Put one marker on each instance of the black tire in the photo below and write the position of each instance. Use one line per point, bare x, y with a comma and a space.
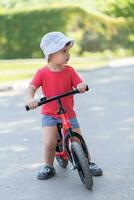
62, 162
82, 165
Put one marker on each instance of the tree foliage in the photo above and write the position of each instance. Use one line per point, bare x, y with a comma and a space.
96, 25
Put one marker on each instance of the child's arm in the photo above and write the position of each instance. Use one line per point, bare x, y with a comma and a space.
77, 82
32, 103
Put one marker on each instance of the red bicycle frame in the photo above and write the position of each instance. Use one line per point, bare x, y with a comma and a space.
66, 126
65, 122
67, 135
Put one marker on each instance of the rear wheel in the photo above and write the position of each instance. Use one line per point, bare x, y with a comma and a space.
62, 161
82, 165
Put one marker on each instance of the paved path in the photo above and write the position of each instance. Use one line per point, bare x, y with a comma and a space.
106, 115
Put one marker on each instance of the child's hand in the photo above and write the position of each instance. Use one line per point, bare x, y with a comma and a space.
81, 87
32, 103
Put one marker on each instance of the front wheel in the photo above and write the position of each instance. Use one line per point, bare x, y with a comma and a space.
82, 165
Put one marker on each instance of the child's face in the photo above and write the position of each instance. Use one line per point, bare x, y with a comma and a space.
61, 57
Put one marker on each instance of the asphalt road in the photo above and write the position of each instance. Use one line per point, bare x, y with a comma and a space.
106, 116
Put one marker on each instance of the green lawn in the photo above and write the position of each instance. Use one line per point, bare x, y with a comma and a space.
20, 69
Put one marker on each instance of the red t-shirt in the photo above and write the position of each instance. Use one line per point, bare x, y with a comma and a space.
56, 83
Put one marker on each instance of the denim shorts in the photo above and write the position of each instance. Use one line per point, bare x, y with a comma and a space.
48, 120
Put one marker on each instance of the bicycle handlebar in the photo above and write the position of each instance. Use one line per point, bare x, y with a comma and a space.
43, 100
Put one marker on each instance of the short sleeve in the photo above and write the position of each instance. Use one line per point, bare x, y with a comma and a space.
75, 78
37, 79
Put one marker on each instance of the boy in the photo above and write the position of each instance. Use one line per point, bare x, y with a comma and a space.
54, 79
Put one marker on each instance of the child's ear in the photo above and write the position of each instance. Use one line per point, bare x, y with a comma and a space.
50, 57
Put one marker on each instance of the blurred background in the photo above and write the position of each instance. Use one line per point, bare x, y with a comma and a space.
102, 30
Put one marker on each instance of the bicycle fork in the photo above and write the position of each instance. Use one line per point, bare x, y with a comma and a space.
68, 136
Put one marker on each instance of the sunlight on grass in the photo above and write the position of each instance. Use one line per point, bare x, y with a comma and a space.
21, 69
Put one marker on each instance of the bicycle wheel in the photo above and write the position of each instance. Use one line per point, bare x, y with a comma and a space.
82, 165
62, 162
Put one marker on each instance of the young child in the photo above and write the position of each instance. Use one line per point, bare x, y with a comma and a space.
56, 78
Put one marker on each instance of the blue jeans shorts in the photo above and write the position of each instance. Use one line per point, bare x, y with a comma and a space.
48, 120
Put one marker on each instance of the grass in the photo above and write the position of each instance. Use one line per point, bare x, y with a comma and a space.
21, 69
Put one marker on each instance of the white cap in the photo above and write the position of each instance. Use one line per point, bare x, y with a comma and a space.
53, 42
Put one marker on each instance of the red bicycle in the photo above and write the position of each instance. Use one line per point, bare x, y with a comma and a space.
70, 145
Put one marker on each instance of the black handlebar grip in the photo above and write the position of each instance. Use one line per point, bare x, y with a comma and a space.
27, 107
87, 88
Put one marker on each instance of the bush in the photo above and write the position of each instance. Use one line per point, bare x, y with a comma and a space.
21, 32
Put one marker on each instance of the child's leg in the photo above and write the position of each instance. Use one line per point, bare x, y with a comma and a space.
50, 142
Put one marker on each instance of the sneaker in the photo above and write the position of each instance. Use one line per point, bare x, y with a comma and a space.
46, 173
95, 170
